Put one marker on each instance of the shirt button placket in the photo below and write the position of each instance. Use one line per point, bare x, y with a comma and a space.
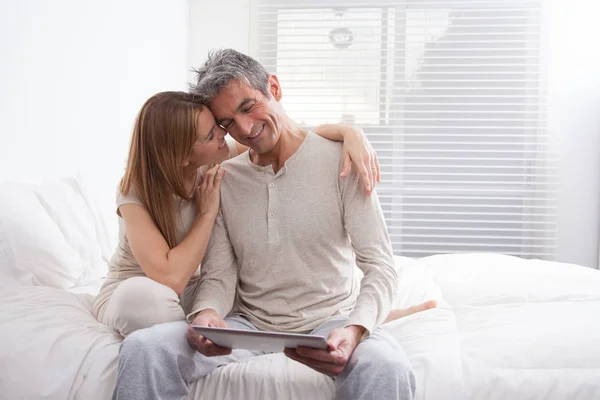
272, 222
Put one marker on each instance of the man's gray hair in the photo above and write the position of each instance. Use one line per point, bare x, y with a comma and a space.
224, 66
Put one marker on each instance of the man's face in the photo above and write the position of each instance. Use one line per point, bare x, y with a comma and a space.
250, 117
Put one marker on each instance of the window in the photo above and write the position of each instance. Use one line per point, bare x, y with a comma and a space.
451, 94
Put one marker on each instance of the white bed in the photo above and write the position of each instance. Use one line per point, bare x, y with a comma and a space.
506, 328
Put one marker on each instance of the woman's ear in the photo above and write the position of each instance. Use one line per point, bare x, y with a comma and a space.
275, 87
186, 162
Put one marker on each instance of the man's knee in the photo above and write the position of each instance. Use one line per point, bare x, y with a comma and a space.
388, 362
382, 359
401, 372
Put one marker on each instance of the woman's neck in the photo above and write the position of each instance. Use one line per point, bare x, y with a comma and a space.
190, 175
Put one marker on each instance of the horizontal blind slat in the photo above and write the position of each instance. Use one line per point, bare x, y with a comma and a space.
470, 244
430, 251
429, 228
488, 222
498, 6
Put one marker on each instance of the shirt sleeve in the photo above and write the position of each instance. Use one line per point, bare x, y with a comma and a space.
131, 197
218, 277
366, 227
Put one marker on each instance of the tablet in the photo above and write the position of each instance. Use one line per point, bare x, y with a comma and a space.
259, 340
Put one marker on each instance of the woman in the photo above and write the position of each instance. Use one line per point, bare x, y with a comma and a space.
167, 202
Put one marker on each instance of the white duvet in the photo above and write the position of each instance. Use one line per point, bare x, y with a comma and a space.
506, 329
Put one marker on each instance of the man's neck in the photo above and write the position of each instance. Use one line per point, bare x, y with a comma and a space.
289, 141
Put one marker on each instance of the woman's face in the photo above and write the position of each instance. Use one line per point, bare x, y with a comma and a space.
210, 145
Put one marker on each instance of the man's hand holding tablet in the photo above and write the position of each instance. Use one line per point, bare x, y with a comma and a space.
208, 318
209, 334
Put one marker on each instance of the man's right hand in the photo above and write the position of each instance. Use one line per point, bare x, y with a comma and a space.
207, 317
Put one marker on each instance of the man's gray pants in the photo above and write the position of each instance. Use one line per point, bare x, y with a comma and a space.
157, 363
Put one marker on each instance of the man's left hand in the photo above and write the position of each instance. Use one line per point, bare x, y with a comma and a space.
341, 341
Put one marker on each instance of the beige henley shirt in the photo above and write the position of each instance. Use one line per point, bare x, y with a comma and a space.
294, 240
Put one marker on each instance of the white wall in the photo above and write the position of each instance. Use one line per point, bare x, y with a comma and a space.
217, 24
574, 119
72, 78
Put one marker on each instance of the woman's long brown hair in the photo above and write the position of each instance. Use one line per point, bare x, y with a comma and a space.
163, 135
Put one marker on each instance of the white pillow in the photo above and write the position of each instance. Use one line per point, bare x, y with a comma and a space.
50, 235
8, 272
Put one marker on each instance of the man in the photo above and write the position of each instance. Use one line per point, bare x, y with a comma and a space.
283, 254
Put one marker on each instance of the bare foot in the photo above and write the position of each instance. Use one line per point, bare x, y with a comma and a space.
403, 312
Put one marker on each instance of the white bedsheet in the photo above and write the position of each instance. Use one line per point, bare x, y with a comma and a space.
528, 329
506, 329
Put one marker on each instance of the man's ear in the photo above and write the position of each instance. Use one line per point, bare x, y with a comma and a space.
274, 87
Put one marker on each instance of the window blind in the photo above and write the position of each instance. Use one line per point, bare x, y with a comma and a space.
452, 96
